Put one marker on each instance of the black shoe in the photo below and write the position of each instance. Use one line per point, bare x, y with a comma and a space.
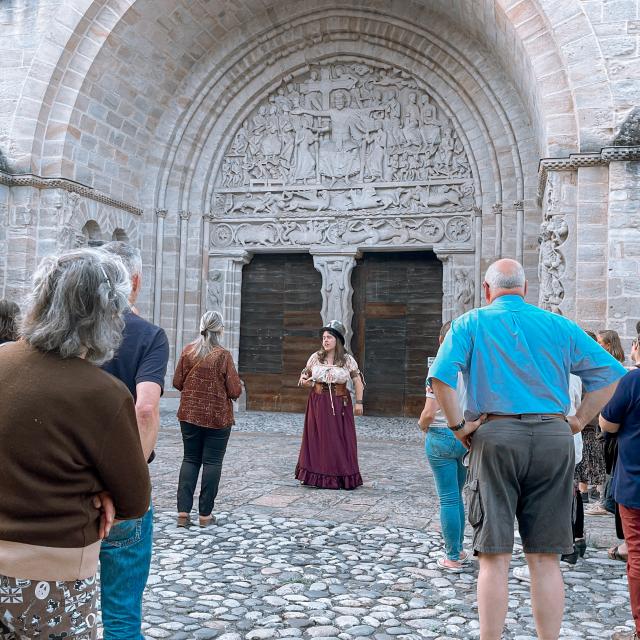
585, 497
580, 546
570, 558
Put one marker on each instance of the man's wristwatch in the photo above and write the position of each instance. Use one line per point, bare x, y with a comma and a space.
458, 426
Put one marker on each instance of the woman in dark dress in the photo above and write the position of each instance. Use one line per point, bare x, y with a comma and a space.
329, 452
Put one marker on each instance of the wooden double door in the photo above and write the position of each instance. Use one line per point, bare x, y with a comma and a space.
397, 305
279, 329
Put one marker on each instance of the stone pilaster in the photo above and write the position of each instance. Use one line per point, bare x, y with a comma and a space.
161, 214
518, 205
337, 293
224, 291
497, 212
182, 278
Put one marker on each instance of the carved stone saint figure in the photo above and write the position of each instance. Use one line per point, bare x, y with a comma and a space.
462, 293
305, 160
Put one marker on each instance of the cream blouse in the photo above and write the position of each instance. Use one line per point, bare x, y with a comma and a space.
330, 373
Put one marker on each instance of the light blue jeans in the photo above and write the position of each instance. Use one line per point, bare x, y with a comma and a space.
444, 452
125, 559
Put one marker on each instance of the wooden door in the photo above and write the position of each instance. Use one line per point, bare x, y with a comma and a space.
279, 329
397, 304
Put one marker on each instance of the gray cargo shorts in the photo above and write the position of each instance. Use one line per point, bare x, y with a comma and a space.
521, 469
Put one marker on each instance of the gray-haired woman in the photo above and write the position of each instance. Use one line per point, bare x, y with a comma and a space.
9, 316
208, 380
68, 436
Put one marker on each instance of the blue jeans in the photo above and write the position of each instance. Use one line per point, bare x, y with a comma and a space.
125, 559
444, 452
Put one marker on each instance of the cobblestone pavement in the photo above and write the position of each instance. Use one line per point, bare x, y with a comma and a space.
288, 561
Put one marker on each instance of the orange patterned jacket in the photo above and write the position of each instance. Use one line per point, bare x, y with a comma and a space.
207, 388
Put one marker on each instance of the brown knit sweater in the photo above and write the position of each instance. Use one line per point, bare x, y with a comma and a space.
207, 388
67, 431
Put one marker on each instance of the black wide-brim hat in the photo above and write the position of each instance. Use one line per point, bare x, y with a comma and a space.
336, 329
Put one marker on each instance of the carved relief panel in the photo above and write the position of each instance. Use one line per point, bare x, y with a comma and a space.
344, 153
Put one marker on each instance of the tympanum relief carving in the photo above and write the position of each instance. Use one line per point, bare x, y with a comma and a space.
344, 150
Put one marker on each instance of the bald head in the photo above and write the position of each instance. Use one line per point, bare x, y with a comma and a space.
504, 277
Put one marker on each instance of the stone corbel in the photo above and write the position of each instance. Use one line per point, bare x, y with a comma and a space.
336, 268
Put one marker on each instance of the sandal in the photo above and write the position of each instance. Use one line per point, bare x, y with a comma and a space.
441, 563
183, 521
614, 554
206, 521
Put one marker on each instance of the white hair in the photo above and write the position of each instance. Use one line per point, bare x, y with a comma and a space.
76, 304
129, 255
211, 327
510, 278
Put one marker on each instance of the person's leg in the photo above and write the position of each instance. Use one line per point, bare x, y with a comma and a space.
125, 559
631, 525
192, 441
493, 594
439, 450
547, 594
462, 478
215, 446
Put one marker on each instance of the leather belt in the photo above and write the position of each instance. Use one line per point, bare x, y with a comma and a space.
336, 389
525, 416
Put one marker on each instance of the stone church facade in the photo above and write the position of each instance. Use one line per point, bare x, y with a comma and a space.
211, 132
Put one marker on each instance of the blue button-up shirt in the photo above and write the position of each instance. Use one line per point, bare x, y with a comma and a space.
516, 358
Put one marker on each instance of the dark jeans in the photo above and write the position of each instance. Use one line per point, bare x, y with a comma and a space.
203, 447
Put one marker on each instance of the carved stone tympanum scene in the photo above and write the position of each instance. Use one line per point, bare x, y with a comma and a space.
291, 163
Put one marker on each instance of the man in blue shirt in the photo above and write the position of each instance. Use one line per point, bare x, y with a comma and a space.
125, 554
622, 416
516, 360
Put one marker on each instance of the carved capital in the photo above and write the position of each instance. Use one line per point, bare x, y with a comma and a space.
161, 213
184, 215
497, 208
518, 205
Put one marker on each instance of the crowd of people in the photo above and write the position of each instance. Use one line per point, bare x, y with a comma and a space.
525, 411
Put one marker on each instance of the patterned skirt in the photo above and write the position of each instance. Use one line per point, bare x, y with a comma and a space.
47, 610
591, 469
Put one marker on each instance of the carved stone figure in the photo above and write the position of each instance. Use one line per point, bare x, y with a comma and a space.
551, 265
215, 291
462, 292
337, 127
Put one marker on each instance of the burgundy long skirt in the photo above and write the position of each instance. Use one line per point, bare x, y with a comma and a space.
329, 452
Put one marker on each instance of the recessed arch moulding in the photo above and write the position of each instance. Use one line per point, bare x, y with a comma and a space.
313, 137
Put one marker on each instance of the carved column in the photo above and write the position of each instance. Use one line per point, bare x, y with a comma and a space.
497, 212
182, 278
557, 259
224, 292
477, 266
337, 292
518, 205
161, 214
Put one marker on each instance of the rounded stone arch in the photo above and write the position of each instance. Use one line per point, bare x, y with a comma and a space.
105, 222
190, 150
81, 34
93, 233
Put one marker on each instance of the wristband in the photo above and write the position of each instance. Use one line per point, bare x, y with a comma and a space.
458, 426
359, 402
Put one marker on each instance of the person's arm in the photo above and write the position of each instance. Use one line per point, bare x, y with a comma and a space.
148, 415
428, 413
359, 387
232, 379
178, 374
609, 427
591, 405
122, 467
447, 398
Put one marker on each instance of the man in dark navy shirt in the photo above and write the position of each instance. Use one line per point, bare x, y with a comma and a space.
622, 416
125, 555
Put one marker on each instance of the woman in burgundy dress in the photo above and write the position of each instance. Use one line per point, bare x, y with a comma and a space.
329, 452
